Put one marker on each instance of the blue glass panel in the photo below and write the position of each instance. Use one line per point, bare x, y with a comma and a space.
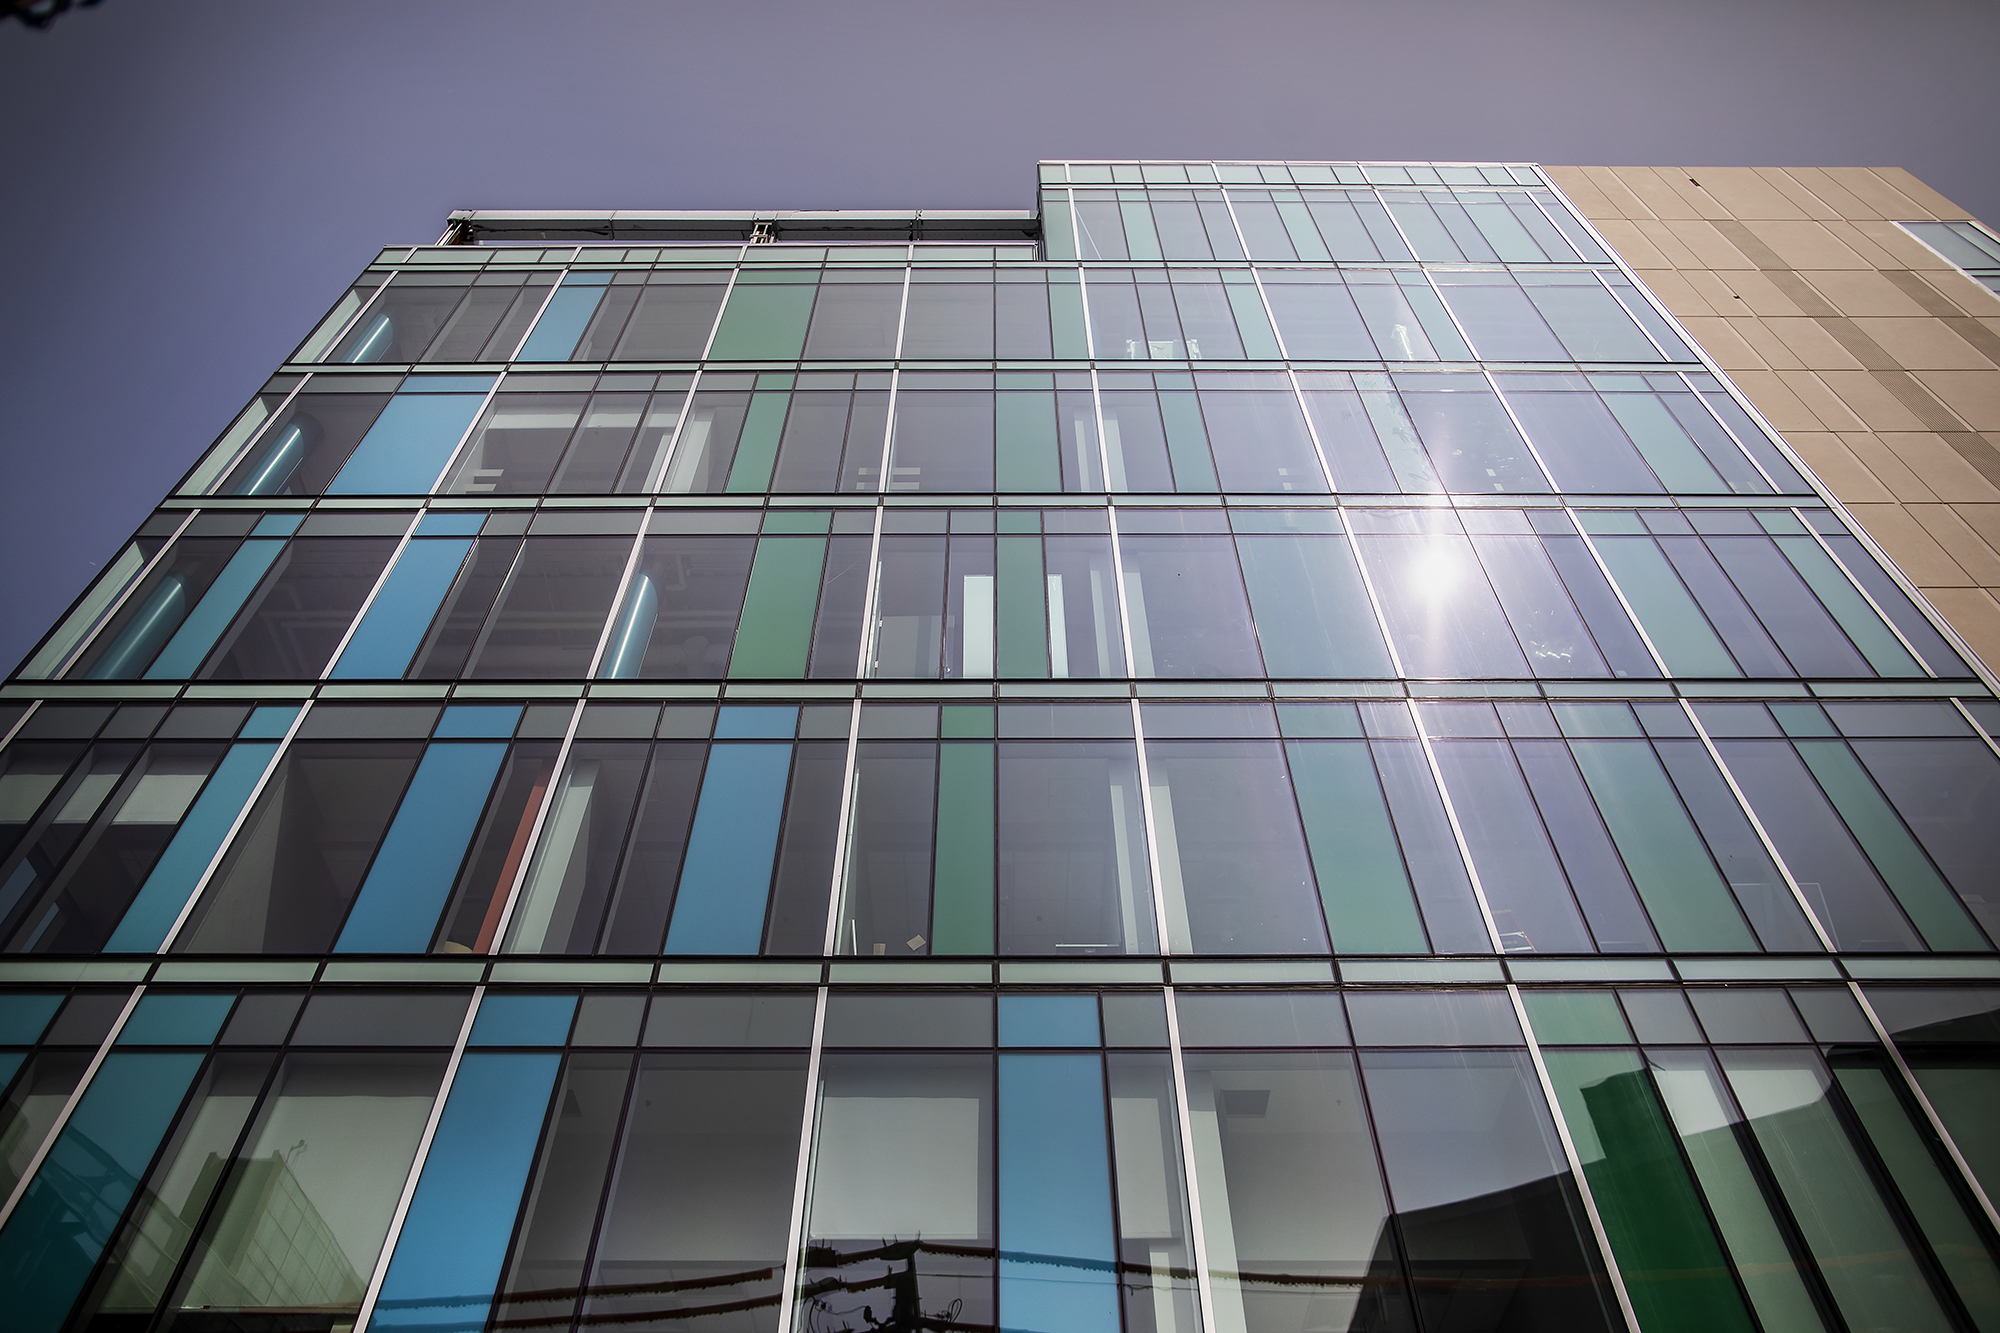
270, 722
450, 525
447, 1262
22, 1017
66, 1218
413, 873
277, 525
1048, 1020
394, 626
477, 721
1057, 1259
523, 1020
726, 878
755, 722
408, 445
211, 615
556, 332
176, 1020
167, 889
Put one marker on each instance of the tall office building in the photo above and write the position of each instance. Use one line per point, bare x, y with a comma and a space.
1259, 748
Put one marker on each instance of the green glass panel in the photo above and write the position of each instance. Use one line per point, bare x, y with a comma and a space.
1058, 236
1673, 1263
1671, 619
1963, 1091
1932, 905
1026, 455
962, 897
1187, 442
1953, 1234
1866, 1261
757, 450
1363, 885
1711, 1137
1140, 239
763, 323
1576, 1018
1023, 609
1259, 342
1884, 651
1673, 457
1066, 327
775, 634
1690, 905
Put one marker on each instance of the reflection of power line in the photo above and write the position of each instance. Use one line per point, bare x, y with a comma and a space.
41, 13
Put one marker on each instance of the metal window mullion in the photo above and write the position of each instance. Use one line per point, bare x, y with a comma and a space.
1736, 439
1312, 431
1089, 325
84, 641
263, 427
841, 837
464, 439
1575, 1161
618, 597
69, 1106
1452, 315
1866, 596
870, 597
1402, 235
1151, 829
7, 737
658, 476
808, 1125
1374, 600
348, 326
235, 826
1618, 592
1763, 836
1493, 387
1457, 831
1103, 446
1197, 1232
381, 581
1992, 742
1075, 224
540, 310
529, 850
1665, 356
888, 436
1923, 1100
396, 1220
902, 310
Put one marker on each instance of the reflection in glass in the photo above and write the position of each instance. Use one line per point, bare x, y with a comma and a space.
1484, 1200
696, 1217
1073, 876
1293, 1213
303, 1212
901, 1214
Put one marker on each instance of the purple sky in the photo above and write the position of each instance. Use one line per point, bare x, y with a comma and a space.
188, 186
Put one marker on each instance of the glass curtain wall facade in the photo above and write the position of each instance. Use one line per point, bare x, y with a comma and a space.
1289, 757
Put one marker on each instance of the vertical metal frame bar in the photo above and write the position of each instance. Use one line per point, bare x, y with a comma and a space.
110, 612
396, 1220
533, 844
69, 1106
236, 826
381, 581
801, 1172
1197, 1233
1575, 1161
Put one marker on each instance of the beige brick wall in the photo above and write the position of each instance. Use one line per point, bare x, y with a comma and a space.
1878, 360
